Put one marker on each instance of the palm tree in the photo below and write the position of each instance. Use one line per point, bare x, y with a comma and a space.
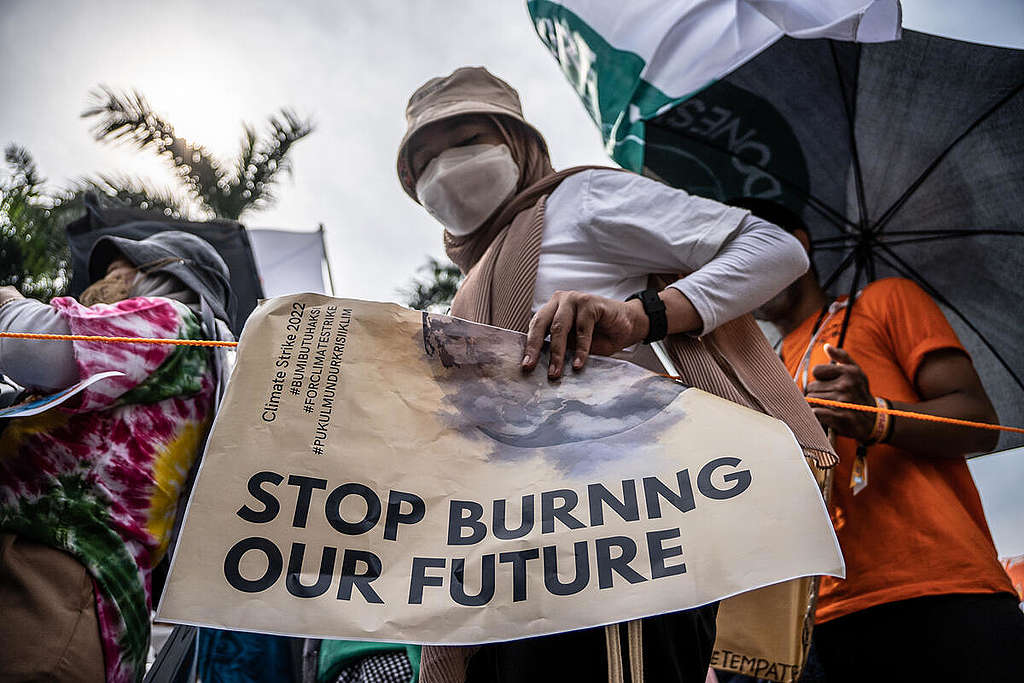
34, 253
435, 292
219, 189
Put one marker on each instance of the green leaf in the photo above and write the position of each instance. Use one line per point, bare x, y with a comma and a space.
436, 291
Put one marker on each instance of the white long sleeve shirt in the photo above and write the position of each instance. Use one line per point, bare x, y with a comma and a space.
605, 231
43, 366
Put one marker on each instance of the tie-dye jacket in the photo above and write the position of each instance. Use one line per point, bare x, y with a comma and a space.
101, 480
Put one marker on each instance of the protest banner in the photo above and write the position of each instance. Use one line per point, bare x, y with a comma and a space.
378, 473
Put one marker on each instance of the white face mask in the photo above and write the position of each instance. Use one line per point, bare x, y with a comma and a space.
462, 186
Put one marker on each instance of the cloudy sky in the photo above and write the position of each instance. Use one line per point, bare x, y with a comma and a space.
351, 66
207, 66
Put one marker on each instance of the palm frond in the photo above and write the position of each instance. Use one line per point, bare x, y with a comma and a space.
24, 172
36, 256
128, 117
285, 132
136, 193
260, 160
233, 199
435, 292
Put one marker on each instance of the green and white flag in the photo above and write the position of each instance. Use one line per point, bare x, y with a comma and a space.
630, 61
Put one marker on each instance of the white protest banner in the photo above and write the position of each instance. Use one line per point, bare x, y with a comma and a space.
289, 261
383, 474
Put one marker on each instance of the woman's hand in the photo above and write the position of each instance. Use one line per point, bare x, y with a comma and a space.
587, 323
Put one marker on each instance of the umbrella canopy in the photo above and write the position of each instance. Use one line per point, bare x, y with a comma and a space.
905, 159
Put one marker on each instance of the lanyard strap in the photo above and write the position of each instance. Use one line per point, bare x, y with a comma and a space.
826, 314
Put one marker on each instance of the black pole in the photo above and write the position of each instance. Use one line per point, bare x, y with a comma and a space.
174, 661
858, 269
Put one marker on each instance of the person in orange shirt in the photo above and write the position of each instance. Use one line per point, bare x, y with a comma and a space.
925, 597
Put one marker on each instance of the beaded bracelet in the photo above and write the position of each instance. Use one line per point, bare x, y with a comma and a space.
882, 428
890, 422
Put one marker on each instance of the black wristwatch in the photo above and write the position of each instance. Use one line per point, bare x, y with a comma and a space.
654, 307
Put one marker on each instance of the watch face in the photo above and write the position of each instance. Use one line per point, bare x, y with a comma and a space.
652, 299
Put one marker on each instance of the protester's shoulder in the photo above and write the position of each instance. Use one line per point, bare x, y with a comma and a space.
907, 311
615, 181
142, 315
588, 193
573, 185
614, 193
894, 290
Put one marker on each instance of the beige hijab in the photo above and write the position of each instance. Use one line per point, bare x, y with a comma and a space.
534, 166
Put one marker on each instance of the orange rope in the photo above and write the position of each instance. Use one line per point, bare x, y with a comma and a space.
913, 416
119, 340
896, 413
817, 401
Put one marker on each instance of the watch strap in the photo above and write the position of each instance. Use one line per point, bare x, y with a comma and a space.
654, 307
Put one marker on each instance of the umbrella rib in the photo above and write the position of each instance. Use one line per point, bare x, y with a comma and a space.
851, 113
888, 214
839, 221
930, 238
841, 247
844, 241
830, 247
851, 300
907, 271
958, 232
840, 269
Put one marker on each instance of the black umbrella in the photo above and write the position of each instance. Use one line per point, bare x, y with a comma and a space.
905, 159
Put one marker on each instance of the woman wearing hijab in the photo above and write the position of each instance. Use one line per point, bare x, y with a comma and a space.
593, 257
89, 490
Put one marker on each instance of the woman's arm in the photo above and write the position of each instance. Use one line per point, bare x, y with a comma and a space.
35, 364
948, 386
755, 263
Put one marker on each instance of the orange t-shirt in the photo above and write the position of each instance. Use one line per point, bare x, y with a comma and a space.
1014, 567
918, 528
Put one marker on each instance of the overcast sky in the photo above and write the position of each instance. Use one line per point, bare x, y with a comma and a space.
351, 66
207, 66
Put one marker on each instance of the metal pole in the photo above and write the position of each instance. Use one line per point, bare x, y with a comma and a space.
175, 661
327, 260
851, 299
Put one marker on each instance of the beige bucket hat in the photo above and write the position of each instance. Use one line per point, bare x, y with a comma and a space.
467, 90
